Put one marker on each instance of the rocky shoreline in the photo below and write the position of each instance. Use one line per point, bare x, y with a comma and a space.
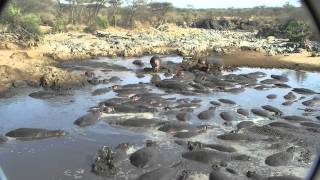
39, 66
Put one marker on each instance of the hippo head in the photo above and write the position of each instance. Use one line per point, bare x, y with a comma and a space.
155, 62
115, 87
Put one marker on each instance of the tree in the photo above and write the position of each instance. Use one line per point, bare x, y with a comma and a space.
115, 10
160, 9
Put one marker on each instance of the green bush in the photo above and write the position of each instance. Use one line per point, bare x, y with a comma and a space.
59, 25
102, 22
297, 30
27, 26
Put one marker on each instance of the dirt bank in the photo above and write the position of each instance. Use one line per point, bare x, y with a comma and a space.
19, 67
299, 61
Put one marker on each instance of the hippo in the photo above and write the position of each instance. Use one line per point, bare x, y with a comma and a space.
312, 102
295, 118
155, 62
281, 158
184, 116
145, 156
100, 91
34, 133
260, 112
255, 75
283, 125
155, 78
244, 124
275, 110
304, 91
49, 94
187, 134
173, 85
140, 122
227, 116
217, 174
271, 96
215, 103
235, 90
290, 96
227, 101
280, 78
207, 156
220, 147
162, 173
114, 79
310, 124
270, 81
282, 85
207, 114
3, 139
262, 87
176, 126
287, 103
285, 177
236, 137
243, 112
138, 63
88, 119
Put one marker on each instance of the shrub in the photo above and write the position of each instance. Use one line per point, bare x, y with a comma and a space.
102, 22
59, 25
26, 26
297, 30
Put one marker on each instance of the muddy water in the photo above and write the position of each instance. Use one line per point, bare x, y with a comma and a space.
70, 157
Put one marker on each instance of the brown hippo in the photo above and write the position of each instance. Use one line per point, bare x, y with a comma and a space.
155, 62
34, 133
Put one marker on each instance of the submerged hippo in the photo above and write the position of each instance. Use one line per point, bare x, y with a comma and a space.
207, 114
161, 173
88, 119
280, 78
155, 62
145, 156
34, 133
243, 112
304, 91
3, 139
227, 101
290, 96
281, 158
275, 110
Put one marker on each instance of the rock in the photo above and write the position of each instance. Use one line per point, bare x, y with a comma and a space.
88, 119
34, 133
104, 164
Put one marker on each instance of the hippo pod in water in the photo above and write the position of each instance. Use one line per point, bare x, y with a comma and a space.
34, 133
207, 156
88, 119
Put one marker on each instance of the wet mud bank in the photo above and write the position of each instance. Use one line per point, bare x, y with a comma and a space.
133, 123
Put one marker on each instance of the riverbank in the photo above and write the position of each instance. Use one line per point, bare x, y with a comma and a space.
39, 65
